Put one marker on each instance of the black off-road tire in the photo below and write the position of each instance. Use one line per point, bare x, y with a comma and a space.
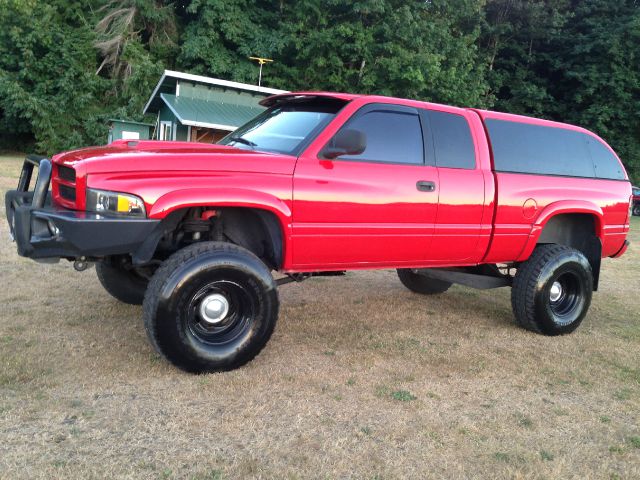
124, 285
536, 306
175, 313
422, 284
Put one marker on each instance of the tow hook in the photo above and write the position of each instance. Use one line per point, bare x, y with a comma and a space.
81, 264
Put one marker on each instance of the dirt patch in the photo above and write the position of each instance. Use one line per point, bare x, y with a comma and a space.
361, 379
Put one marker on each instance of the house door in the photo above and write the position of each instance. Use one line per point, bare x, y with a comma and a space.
166, 131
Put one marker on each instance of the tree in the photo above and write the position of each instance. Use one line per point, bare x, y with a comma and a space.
424, 50
516, 39
597, 74
68, 65
421, 50
137, 40
48, 86
221, 35
129, 24
570, 61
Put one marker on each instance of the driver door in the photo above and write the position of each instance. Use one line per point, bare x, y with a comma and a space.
377, 208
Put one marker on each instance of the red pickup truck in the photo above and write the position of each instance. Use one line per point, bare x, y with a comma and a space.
322, 183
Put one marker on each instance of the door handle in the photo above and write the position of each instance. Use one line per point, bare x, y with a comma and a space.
425, 186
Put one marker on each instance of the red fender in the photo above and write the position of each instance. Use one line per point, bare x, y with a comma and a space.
220, 197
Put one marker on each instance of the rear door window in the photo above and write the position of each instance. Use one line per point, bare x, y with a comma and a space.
452, 142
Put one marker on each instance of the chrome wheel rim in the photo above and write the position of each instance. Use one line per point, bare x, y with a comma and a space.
555, 293
214, 308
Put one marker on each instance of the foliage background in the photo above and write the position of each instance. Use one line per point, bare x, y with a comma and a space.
66, 66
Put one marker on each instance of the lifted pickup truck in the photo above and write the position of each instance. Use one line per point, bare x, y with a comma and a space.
322, 183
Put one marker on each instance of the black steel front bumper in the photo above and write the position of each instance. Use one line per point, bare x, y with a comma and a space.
43, 231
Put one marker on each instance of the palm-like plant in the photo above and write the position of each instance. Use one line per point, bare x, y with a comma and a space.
151, 22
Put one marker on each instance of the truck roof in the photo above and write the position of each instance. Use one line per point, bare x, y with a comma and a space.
511, 117
484, 114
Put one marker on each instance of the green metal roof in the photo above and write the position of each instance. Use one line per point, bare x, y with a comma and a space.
217, 111
180, 83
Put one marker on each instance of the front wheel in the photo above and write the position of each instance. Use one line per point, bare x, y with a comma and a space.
211, 307
636, 210
552, 290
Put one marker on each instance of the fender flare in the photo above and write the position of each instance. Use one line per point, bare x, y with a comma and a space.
220, 197
558, 208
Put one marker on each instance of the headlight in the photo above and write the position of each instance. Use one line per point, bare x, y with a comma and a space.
101, 201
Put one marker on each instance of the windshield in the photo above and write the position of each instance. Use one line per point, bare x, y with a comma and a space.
285, 128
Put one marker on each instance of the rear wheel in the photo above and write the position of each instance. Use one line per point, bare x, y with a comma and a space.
636, 210
211, 307
122, 284
552, 290
421, 283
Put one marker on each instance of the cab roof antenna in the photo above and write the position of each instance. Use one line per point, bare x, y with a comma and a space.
261, 61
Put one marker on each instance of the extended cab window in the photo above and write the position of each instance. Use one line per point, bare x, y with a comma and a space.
525, 148
392, 137
452, 142
285, 128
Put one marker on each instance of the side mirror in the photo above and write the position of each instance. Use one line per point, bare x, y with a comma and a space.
347, 141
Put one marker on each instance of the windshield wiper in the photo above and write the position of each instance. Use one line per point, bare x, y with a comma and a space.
243, 140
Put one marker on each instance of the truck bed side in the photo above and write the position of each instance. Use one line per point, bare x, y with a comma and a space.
525, 202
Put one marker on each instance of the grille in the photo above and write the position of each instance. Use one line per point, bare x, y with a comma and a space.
68, 193
66, 173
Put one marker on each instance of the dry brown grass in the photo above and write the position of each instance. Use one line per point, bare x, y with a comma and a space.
362, 379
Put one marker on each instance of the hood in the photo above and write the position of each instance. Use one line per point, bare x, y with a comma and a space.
135, 156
